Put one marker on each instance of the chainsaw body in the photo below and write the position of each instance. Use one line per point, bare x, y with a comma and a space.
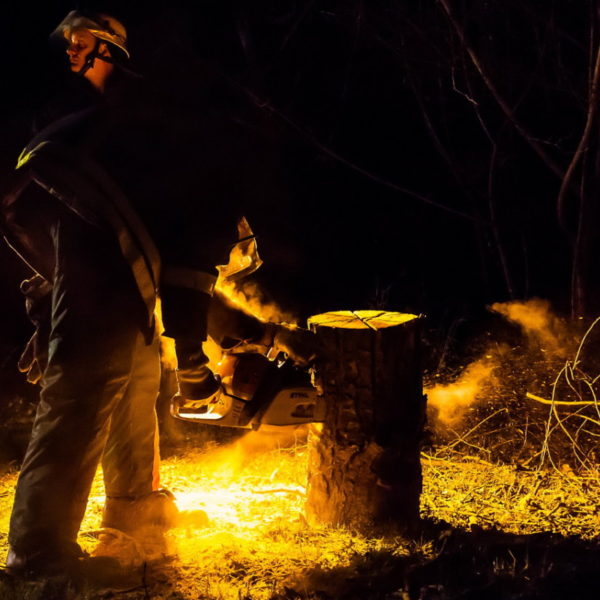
255, 391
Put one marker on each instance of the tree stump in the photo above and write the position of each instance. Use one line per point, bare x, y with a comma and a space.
364, 465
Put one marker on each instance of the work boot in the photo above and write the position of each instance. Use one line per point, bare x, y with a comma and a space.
156, 509
69, 563
122, 547
44, 562
105, 573
134, 529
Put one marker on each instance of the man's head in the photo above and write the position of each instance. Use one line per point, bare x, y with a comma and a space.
86, 57
95, 44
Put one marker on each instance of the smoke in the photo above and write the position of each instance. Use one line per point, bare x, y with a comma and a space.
451, 401
543, 329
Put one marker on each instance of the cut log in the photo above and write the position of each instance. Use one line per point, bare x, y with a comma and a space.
364, 464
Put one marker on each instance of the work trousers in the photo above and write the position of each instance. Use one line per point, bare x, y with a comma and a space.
98, 395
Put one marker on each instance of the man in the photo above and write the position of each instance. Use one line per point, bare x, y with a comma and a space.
101, 377
114, 227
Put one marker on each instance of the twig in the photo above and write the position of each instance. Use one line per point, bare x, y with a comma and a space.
583, 340
483, 421
589, 419
548, 429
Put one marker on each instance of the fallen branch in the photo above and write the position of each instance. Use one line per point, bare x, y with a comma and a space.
560, 402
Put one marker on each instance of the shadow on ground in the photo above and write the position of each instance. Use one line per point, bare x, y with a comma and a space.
466, 565
446, 564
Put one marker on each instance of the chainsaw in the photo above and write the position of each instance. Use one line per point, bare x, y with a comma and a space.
255, 391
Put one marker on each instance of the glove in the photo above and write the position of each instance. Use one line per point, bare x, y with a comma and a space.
196, 380
299, 344
38, 305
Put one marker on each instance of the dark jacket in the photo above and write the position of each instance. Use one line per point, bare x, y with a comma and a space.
163, 183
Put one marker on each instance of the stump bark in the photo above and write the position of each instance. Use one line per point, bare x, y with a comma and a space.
364, 465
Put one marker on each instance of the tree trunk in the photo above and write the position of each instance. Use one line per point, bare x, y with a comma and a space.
364, 467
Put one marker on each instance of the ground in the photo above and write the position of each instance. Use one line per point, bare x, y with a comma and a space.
490, 530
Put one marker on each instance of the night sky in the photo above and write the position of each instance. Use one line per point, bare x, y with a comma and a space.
402, 184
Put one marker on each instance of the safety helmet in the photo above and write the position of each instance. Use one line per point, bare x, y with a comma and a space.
101, 26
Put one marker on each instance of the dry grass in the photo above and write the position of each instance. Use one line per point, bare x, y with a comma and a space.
474, 492
257, 544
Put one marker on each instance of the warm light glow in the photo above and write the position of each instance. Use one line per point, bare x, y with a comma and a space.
207, 416
168, 357
243, 525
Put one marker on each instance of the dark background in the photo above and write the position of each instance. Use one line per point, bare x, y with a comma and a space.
406, 185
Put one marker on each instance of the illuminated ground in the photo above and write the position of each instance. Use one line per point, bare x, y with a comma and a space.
257, 544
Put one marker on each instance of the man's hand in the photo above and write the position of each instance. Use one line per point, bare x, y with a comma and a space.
196, 380
299, 344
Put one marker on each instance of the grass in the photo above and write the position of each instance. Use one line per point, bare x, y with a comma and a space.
489, 529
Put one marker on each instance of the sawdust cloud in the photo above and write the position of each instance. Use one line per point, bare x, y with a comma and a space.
244, 296
451, 401
544, 334
232, 457
250, 298
542, 328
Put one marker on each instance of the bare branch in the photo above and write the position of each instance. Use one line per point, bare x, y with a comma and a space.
583, 141
265, 105
506, 109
